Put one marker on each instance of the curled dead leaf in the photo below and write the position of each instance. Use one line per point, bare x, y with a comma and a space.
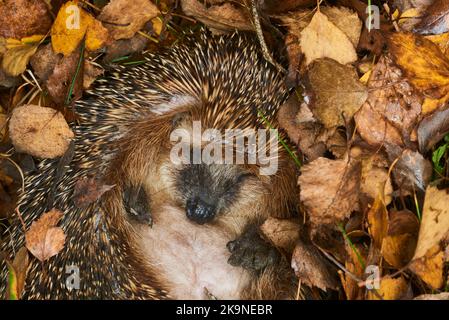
44, 239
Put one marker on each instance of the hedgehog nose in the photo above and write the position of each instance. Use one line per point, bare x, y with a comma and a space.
199, 210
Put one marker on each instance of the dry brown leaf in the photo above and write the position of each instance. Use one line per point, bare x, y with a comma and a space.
323, 39
426, 67
124, 18
23, 18
399, 245
435, 220
337, 92
438, 296
435, 19
412, 171
90, 74
390, 289
44, 239
44, 61
223, 17
41, 132
392, 108
346, 20
311, 268
329, 190
374, 178
350, 286
59, 82
432, 129
282, 233
88, 190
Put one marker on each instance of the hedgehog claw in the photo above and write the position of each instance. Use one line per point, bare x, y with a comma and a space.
252, 252
136, 204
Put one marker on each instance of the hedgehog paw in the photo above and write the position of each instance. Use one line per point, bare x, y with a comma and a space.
136, 204
252, 252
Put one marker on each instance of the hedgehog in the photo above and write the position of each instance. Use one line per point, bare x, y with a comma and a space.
166, 229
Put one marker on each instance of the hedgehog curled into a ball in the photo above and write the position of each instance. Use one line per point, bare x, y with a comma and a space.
168, 229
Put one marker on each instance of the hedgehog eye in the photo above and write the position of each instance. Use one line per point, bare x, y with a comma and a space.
244, 176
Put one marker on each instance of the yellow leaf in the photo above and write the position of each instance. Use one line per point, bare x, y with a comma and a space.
71, 25
429, 105
378, 220
96, 35
15, 60
390, 289
430, 267
364, 79
424, 64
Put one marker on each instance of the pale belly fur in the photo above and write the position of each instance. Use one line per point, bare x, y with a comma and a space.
191, 258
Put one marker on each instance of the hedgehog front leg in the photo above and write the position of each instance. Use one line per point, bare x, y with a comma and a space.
136, 203
273, 277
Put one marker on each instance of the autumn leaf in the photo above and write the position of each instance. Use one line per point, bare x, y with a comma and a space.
329, 190
44, 239
124, 18
323, 39
390, 289
337, 92
88, 190
17, 274
39, 131
426, 67
72, 24
15, 60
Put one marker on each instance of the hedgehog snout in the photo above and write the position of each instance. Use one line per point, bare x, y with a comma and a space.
200, 211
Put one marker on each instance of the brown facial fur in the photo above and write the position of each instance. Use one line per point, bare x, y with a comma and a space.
187, 258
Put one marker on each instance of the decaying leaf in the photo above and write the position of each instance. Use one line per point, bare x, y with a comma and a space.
426, 67
432, 129
392, 108
311, 268
436, 18
375, 178
329, 190
412, 171
124, 18
283, 233
430, 267
17, 274
337, 91
323, 39
44, 239
356, 267
390, 289
88, 190
438, 296
428, 259
59, 83
41, 132
15, 60
399, 245
378, 220
435, 220
44, 61
23, 18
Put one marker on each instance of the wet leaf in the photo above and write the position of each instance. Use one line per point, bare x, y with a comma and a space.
44, 240
17, 274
